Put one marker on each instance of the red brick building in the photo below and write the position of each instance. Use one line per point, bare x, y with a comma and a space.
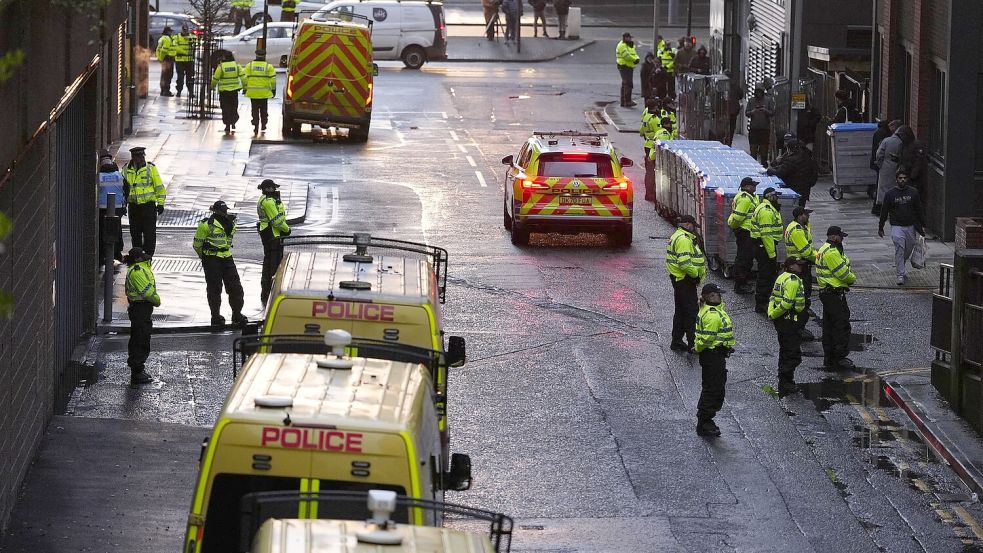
928, 72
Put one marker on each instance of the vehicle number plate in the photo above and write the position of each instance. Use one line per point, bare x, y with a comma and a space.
575, 200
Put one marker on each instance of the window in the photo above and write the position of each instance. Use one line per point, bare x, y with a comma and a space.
576, 165
938, 109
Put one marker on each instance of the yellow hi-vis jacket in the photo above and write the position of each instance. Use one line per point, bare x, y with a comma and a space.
651, 123
684, 258
626, 55
259, 78
788, 297
211, 238
165, 47
289, 6
833, 267
713, 328
798, 241
742, 208
668, 57
766, 224
141, 284
182, 46
143, 184
242, 3
227, 77
272, 214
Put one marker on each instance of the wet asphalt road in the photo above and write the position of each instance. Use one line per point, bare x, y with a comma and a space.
579, 419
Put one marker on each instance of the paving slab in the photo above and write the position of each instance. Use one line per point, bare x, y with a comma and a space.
106, 485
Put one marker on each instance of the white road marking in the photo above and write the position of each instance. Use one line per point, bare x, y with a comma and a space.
471, 161
334, 206
454, 136
481, 179
462, 148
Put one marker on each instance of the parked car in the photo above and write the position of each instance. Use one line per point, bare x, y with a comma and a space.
159, 20
279, 39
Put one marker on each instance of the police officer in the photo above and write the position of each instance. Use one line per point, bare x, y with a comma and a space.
650, 125
666, 132
668, 56
183, 56
228, 80
259, 80
272, 225
165, 55
110, 182
740, 221
714, 342
239, 14
627, 59
687, 267
141, 294
835, 278
786, 307
288, 10
144, 193
766, 231
213, 244
798, 243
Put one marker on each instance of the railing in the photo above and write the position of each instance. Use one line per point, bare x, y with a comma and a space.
941, 331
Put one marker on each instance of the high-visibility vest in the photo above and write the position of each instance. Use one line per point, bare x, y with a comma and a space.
798, 241
289, 6
668, 57
227, 77
145, 184
259, 79
272, 213
650, 126
182, 47
684, 258
787, 296
165, 47
211, 238
713, 328
833, 267
626, 55
742, 208
766, 224
242, 3
141, 284
110, 183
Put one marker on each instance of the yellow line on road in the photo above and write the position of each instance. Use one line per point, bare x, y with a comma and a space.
969, 520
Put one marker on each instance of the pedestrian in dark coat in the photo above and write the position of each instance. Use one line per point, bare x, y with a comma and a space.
759, 112
562, 8
883, 131
846, 108
807, 124
887, 159
735, 94
701, 63
797, 168
538, 15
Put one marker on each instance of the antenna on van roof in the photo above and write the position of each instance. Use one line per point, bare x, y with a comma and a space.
337, 340
362, 241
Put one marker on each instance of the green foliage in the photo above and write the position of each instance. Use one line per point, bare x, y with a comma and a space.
8, 62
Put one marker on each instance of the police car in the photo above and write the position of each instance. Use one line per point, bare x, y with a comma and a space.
568, 182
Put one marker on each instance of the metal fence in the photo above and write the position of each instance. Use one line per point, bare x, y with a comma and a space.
202, 103
820, 89
941, 332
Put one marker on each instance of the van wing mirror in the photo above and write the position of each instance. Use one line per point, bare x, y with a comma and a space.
375, 70
456, 351
459, 478
626, 162
508, 160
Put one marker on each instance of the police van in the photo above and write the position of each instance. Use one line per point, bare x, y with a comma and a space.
372, 287
377, 533
310, 422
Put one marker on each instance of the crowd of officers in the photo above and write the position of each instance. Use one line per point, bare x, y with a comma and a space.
139, 186
702, 325
176, 51
257, 80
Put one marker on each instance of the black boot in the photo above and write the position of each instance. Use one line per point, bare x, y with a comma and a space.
218, 320
138, 377
707, 428
239, 320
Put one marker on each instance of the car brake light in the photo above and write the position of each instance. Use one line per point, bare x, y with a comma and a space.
575, 155
623, 184
368, 98
290, 87
531, 184
198, 32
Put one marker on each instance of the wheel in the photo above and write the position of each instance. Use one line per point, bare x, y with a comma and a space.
506, 218
290, 129
713, 263
414, 57
360, 134
620, 238
520, 236
836, 193
728, 271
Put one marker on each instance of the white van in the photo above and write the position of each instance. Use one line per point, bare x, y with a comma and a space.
412, 31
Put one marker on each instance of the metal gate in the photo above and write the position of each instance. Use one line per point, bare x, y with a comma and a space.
820, 89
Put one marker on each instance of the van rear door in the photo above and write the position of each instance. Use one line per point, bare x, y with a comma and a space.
331, 70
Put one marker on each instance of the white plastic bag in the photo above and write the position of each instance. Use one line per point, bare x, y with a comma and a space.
920, 252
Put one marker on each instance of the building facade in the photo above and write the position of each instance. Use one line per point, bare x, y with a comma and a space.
67, 99
929, 62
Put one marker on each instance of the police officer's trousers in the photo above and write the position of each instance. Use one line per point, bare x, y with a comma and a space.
686, 309
143, 226
272, 255
260, 112
806, 277
627, 76
714, 365
219, 271
229, 101
185, 76
745, 257
118, 238
789, 346
166, 74
836, 325
141, 326
767, 272
649, 177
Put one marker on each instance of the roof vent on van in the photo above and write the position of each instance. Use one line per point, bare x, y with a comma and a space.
382, 503
337, 340
362, 241
355, 285
274, 402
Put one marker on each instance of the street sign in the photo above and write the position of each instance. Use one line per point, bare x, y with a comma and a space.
798, 100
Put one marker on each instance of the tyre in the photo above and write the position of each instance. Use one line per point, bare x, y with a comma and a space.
620, 238
506, 218
414, 57
520, 236
290, 129
836, 193
359, 135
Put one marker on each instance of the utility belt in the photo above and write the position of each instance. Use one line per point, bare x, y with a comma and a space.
212, 250
718, 350
832, 291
